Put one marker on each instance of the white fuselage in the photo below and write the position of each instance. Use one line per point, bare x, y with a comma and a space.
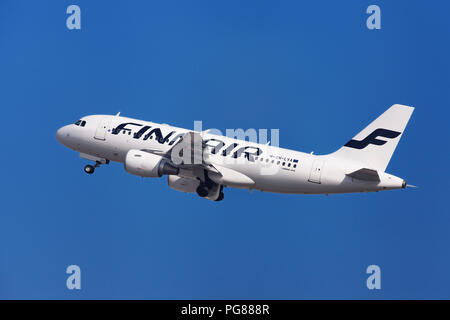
272, 169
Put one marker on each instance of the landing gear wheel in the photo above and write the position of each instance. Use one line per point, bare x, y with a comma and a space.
202, 191
89, 169
220, 197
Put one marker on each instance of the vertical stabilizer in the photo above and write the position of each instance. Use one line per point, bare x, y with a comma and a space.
375, 145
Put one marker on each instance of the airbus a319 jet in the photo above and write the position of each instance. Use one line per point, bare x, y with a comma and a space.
205, 163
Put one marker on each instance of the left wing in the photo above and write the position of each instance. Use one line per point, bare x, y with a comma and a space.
188, 153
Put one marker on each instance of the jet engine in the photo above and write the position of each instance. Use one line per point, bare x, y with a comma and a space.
146, 164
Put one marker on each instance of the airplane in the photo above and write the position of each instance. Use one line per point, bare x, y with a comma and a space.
204, 163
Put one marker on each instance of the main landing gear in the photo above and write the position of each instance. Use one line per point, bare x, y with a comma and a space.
89, 169
203, 191
220, 197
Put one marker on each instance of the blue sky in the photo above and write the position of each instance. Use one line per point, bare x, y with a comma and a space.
311, 69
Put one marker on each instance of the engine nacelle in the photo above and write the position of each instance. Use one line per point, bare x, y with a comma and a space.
183, 184
145, 164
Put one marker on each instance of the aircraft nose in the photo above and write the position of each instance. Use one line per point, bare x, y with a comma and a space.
62, 134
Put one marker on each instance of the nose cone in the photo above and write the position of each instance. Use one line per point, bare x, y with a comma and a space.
62, 134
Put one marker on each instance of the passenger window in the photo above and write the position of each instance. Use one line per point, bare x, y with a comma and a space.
295, 166
284, 163
278, 162
289, 165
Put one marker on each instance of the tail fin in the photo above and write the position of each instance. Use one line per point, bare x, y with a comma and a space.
375, 145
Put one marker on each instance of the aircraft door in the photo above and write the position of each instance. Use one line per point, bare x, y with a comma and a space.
100, 133
316, 171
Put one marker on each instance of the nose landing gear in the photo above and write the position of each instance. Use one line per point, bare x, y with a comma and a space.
89, 169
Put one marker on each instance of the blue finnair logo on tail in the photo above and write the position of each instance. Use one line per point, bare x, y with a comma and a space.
372, 139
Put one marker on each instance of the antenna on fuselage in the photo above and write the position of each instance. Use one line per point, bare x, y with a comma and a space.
118, 114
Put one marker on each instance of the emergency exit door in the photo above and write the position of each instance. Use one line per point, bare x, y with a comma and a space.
316, 171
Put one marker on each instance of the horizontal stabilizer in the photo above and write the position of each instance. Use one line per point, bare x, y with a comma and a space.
365, 174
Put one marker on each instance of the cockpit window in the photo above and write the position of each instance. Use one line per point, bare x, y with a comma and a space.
83, 123
78, 123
